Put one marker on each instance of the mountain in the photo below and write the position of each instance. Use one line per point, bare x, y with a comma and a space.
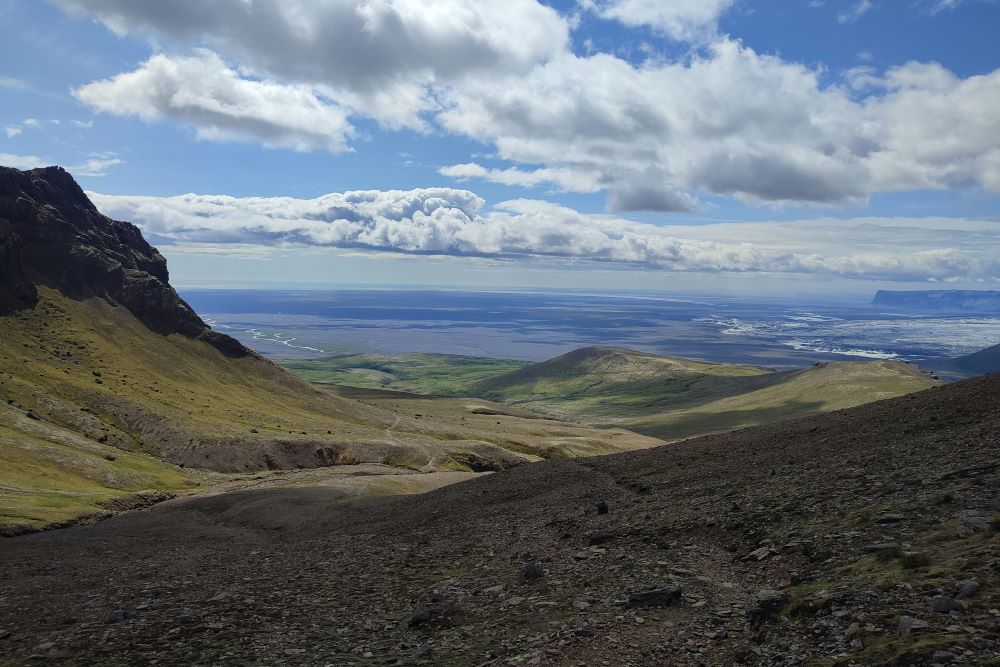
674, 398
979, 363
51, 234
861, 537
110, 385
952, 300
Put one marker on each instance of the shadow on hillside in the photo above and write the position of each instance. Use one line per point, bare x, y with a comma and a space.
685, 426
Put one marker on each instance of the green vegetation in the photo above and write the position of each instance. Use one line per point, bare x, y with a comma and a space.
597, 384
822, 388
94, 406
53, 479
664, 397
429, 374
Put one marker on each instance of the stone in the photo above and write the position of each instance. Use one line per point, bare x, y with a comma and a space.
532, 572
602, 507
946, 605
602, 537
966, 589
890, 518
907, 624
435, 611
657, 597
973, 522
766, 603
118, 616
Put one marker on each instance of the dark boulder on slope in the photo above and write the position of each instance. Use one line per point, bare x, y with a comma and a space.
52, 234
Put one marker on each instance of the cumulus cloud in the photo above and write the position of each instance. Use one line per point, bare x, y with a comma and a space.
687, 20
12, 131
722, 120
382, 54
444, 221
734, 122
203, 91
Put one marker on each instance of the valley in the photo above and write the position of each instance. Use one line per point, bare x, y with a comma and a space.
171, 496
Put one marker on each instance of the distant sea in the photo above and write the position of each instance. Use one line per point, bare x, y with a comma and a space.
536, 326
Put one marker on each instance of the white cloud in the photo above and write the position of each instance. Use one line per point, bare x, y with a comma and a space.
204, 92
13, 84
442, 221
856, 11
31, 122
95, 166
687, 20
378, 56
85, 125
22, 161
566, 179
12, 131
726, 120
737, 123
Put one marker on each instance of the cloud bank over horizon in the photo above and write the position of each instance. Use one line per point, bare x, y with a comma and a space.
452, 222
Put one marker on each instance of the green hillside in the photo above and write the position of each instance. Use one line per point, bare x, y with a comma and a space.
665, 397
430, 374
677, 398
597, 383
822, 388
94, 407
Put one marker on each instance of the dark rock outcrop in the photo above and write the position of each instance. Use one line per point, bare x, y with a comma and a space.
52, 234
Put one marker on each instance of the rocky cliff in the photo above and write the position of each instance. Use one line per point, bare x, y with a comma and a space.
52, 234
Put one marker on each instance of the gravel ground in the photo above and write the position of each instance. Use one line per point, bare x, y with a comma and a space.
862, 537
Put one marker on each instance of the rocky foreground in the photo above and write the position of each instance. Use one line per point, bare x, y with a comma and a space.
861, 537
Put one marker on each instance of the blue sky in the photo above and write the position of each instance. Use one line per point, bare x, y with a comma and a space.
608, 143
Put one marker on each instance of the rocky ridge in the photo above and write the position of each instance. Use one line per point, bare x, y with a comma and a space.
52, 234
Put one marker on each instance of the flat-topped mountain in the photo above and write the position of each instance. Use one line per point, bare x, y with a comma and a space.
952, 300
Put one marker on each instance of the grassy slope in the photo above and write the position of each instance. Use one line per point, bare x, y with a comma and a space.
432, 374
95, 406
603, 383
678, 398
823, 388
665, 397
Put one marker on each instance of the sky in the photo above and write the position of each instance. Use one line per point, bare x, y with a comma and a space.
826, 147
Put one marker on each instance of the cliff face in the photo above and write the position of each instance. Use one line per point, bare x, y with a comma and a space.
52, 234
